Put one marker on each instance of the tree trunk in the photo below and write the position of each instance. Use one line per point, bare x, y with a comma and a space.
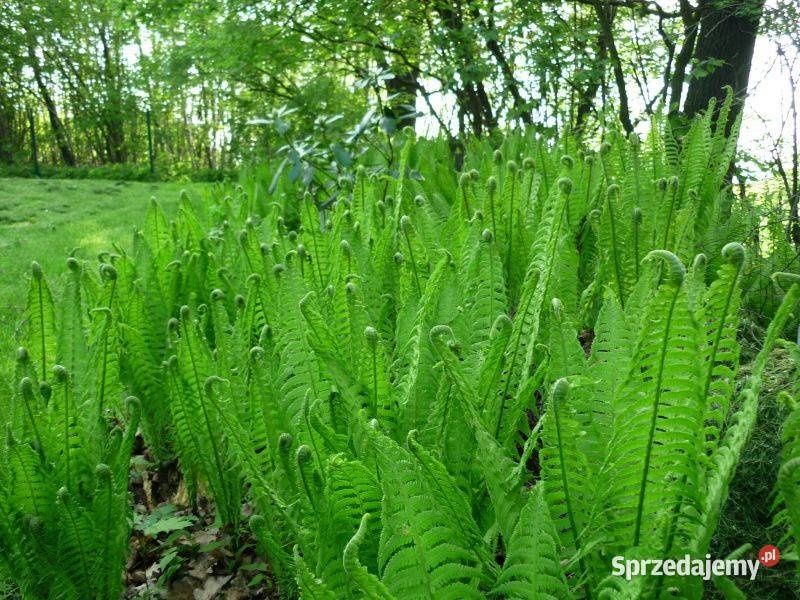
473, 100
690, 28
67, 155
605, 16
728, 30
592, 72
9, 132
113, 113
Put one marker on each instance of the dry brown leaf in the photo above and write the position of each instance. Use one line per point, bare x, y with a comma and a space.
212, 587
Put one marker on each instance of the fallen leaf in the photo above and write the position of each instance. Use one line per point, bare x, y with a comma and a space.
211, 588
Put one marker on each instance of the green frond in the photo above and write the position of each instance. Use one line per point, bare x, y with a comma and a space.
309, 586
532, 567
429, 546
719, 320
726, 457
570, 492
503, 483
616, 245
72, 349
369, 584
75, 541
42, 338
658, 419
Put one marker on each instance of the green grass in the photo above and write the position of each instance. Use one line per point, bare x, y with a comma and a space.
46, 220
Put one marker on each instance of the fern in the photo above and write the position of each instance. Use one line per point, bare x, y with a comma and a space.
370, 585
532, 568
438, 385
429, 547
41, 322
658, 417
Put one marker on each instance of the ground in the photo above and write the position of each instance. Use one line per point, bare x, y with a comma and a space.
46, 219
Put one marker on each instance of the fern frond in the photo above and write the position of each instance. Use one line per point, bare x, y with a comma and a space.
369, 584
726, 457
532, 569
42, 339
429, 546
719, 320
658, 418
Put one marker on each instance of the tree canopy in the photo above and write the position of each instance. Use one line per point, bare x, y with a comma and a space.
212, 73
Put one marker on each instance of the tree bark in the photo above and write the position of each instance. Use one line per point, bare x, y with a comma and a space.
728, 30
690, 28
62, 141
113, 113
9, 138
605, 16
471, 95
586, 99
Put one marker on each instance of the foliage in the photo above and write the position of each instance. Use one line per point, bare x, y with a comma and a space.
63, 488
118, 173
437, 386
92, 80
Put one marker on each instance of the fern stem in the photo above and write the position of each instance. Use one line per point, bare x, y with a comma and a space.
636, 226
653, 419
104, 368
718, 336
510, 224
375, 381
615, 257
315, 257
212, 435
491, 283
465, 202
560, 388
306, 410
636, 176
544, 166
413, 263
26, 389
362, 192
492, 189
105, 347
66, 434
41, 328
669, 217
306, 485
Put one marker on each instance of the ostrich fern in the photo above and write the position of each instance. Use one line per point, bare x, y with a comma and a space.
440, 386
65, 513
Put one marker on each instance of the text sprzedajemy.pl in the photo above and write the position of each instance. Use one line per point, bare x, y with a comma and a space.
684, 567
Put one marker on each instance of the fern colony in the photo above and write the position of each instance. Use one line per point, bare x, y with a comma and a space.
437, 387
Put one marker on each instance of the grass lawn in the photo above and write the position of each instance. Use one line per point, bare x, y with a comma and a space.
45, 220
